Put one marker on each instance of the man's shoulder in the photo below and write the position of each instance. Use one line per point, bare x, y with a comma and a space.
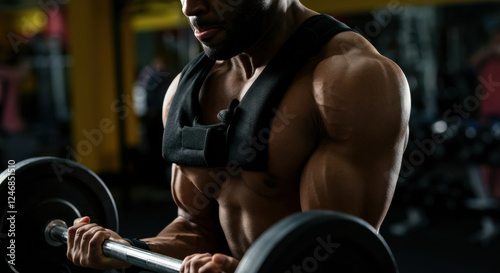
350, 62
354, 84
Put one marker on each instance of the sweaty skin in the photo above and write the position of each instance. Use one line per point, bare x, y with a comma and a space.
336, 144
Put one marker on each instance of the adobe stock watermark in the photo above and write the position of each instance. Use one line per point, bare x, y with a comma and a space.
93, 137
29, 30
149, 79
221, 7
10, 214
381, 19
155, 76
232, 168
322, 252
453, 117
122, 107
84, 147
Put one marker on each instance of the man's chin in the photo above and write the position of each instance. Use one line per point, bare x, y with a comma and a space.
220, 53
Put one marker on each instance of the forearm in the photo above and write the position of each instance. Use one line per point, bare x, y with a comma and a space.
182, 238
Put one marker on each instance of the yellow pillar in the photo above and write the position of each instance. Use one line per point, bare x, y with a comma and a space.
94, 105
129, 74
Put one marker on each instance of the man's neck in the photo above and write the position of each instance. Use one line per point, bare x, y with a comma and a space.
283, 25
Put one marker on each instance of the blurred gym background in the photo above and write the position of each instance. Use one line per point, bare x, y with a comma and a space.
85, 80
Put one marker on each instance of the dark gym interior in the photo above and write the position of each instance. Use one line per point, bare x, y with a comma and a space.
85, 80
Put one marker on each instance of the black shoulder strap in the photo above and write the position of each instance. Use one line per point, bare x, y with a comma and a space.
187, 143
183, 111
264, 96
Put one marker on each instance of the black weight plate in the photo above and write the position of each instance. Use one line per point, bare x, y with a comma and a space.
319, 241
48, 188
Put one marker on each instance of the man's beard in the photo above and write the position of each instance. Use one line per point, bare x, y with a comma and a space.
226, 50
245, 29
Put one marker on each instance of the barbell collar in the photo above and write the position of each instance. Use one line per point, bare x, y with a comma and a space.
56, 233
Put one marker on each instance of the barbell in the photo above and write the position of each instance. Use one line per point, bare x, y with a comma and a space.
42, 194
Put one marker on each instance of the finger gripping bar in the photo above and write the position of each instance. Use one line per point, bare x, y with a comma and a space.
56, 233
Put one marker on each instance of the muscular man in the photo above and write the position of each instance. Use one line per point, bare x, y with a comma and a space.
335, 143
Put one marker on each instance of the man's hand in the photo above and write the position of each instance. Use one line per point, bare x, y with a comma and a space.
84, 245
208, 263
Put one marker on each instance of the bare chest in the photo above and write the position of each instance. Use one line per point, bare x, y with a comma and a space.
290, 139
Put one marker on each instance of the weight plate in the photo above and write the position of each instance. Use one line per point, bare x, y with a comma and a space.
319, 241
38, 190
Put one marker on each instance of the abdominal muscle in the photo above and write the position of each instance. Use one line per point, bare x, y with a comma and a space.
249, 203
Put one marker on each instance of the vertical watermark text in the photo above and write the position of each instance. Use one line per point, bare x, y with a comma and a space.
11, 213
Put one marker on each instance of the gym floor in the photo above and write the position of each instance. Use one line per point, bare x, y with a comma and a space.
443, 245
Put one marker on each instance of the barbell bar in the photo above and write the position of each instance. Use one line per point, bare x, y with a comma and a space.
56, 233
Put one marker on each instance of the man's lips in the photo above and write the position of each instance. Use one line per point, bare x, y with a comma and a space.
206, 32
